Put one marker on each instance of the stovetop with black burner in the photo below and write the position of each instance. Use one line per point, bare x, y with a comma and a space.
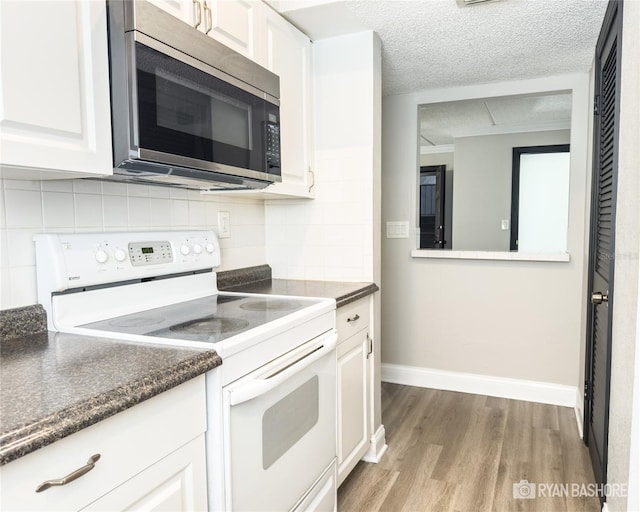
209, 319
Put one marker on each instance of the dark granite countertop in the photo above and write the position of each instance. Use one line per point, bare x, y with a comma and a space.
55, 384
343, 292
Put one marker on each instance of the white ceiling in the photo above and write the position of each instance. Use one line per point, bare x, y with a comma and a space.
430, 44
441, 123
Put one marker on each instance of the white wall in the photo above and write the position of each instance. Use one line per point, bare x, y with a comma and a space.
29, 207
508, 319
332, 237
482, 186
627, 268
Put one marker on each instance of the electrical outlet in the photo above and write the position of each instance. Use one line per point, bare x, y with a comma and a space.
224, 225
505, 224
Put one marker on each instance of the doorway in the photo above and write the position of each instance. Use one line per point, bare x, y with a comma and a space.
432, 207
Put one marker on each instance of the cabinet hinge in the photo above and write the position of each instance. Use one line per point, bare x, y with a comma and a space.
370, 348
596, 105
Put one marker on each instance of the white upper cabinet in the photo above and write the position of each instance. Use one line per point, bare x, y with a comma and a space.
54, 93
237, 24
288, 56
189, 11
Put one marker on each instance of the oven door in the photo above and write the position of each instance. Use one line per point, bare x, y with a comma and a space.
281, 428
186, 113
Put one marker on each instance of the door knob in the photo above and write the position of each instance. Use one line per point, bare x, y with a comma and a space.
599, 297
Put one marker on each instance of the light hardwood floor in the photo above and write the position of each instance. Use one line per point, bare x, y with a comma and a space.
459, 452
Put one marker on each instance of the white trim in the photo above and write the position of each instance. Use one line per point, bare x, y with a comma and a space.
377, 447
516, 389
578, 409
491, 255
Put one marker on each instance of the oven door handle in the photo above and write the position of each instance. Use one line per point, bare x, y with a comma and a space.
257, 387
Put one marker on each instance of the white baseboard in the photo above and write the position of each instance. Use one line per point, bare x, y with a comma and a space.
579, 412
377, 446
516, 389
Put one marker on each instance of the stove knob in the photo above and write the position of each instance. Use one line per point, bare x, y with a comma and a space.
120, 255
209, 247
197, 248
101, 256
185, 249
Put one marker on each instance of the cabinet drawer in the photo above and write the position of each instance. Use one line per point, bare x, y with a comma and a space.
127, 443
352, 318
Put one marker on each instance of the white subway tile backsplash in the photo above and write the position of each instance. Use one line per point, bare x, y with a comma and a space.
5, 288
23, 185
20, 249
114, 188
137, 190
22, 283
179, 213
83, 205
160, 211
57, 210
89, 211
178, 193
87, 186
23, 208
4, 249
139, 212
57, 186
3, 216
197, 215
115, 210
156, 191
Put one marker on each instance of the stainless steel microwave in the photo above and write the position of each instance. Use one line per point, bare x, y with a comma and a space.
186, 110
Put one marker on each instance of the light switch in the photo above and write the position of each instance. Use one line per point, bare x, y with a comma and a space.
224, 225
505, 224
398, 229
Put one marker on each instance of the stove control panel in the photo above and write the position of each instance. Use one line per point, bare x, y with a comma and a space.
150, 253
76, 260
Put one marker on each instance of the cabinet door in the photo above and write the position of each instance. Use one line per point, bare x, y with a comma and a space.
288, 56
237, 24
178, 483
54, 97
353, 402
185, 10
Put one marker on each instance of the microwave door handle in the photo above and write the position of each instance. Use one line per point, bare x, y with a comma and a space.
258, 387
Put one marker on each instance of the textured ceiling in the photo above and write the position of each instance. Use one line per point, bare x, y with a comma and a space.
440, 123
430, 44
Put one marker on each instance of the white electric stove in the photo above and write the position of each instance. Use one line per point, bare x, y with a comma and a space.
271, 440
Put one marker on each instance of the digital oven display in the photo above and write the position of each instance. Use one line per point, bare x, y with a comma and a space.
146, 250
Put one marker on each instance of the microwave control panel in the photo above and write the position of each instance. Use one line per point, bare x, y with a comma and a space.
272, 145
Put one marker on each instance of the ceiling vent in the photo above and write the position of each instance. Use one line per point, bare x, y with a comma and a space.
466, 3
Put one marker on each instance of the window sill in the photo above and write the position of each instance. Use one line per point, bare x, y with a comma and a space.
490, 255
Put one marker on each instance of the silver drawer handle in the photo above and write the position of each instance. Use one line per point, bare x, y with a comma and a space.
91, 463
353, 318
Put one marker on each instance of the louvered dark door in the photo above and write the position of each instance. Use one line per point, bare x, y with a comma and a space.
602, 243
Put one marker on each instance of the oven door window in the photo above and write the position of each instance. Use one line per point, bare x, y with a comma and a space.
287, 421
287, 434
185, 111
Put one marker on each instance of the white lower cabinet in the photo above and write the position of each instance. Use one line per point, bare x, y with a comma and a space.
173, 483
354, 385
152, 457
